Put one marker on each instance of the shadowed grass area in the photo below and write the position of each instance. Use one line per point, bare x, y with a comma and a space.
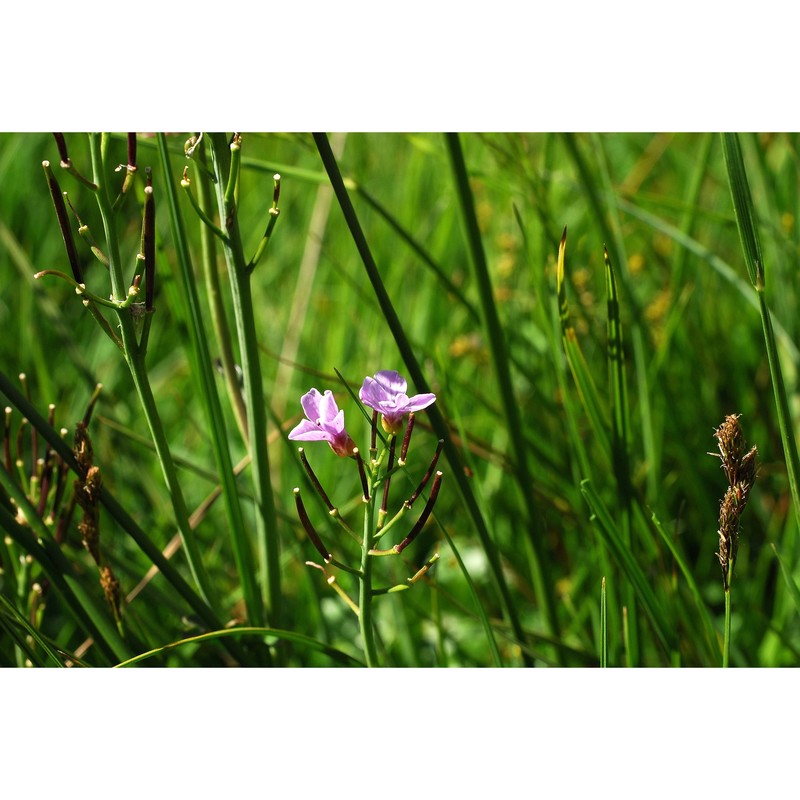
578, 390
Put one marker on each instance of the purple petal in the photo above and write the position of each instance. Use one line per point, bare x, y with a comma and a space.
308, 432
393, 382
329, 410
372, 393
311, 402
336, 424
420, 401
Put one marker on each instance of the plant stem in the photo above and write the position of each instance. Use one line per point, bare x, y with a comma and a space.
726, 645
214, 292
266, 521
207, 391
135, 361
365, 587
726, 642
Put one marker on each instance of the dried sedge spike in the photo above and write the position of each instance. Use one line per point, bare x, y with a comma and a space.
728, 530
92, 486
740, 470
730, 442
87, 496
82, 448
111, 590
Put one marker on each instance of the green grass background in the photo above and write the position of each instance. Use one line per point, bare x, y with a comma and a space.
694, 352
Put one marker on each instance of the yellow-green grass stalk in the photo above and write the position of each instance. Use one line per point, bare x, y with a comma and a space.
754, 262
207, 389
225, 158
620, 439
498, 347
611, 534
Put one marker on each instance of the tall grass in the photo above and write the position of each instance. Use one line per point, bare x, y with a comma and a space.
578, 390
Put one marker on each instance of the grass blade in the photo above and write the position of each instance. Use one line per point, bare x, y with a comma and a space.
748, 234
794, 591
711, 638
207, 390
620, 439
630, 567
576, 361
603, 625
289, 636
12, 621
497, 344
241, 290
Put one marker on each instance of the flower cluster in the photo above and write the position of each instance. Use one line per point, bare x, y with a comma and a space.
384, 393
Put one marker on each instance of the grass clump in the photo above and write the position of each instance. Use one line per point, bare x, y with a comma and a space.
210, 279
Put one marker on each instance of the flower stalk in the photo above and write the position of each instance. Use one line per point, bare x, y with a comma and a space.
386, 394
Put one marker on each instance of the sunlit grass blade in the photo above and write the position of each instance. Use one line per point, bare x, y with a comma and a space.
603, 200
720, 266
748, 234
623, 556
794, 591
603, 625
497, 345
207, 390
620, 438
16, 626
743, 207
222, 157
584, 382
337, 656
479, 607
711, 639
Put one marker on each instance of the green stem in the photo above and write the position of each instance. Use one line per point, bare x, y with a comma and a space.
266, 520
216, 422
215, 302
135, 361
365, 588
603, 625
726, 645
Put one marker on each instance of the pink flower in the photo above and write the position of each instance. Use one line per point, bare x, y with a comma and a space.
386, 393
324, 423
